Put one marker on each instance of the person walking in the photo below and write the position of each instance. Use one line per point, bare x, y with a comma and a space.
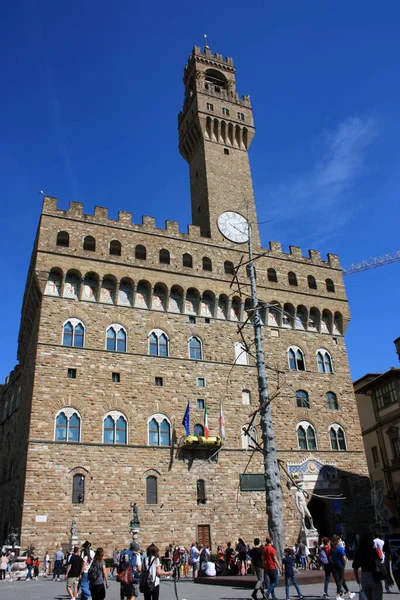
324, 560
73, 573
288, 565
195, 559
29, 565
257, 561
241, 550
46, 563
131, 558
87, 556
338, 560
115, 561
3, 567
98, 584
303, 553
36, 565
152, 564
271, 568
379, 544
58, 561
392, 551
373, 572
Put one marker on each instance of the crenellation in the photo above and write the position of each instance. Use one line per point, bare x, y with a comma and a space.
315, 256
194, 232
333, 260
295, 251
275, 246
75, 209
172, 227
124, 217
101, 213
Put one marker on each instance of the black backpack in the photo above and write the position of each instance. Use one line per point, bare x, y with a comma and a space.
94, 571
146, 581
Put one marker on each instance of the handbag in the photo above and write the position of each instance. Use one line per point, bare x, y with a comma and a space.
125, 576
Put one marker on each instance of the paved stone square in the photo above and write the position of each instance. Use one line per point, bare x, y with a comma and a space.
46, 589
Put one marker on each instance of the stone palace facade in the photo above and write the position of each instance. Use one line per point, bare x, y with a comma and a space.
123, 324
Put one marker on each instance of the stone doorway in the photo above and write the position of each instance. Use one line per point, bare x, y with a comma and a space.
320, 514
203, 535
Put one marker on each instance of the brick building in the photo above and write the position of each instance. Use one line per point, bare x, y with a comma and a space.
123, 324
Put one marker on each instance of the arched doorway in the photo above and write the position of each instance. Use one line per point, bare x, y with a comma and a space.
319, 512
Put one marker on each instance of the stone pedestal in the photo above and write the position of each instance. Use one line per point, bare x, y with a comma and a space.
309, 536
135, 535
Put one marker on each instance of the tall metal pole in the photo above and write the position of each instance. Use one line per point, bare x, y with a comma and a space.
273, 489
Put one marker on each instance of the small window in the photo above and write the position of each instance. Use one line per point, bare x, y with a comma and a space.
207, 264
272, 276
195, 349
302, 399
225, 111
229, 268
198, 430
210, 106
140, 252
201, 491
115, 248
187, 261
330, 286
207, 321
116, 377
312, 284
246, 397
200, 403
71, 373
63, 239
89, 243
165, 258
331, 401
151, 490
240, 116
292, 278
375, 456
226, 150
201, 382
158, 381
78, 489
192, 320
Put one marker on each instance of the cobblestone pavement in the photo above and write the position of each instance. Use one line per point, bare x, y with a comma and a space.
46, 589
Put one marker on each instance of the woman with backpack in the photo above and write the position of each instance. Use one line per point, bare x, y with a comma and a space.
324, 560
97, 576
242, 550
150, 575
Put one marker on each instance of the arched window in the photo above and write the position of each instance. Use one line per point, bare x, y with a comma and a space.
246, 397
201, 491
302, 399
272, 276
159, 430
198, 429
296, 359
187, 260
68, 426
312, 283
89, 243
331, 401
140, 252
165, 258
73, 333
330, 286
108, 290
125, 294
228, 267
53, 285
249, 439
324, 361
306, 436
337, 437
292, 278
116, 338
63, 239
115, 248
241, 354
207, 264
115, 428
78, 489
158, 343
195, 349
151, 490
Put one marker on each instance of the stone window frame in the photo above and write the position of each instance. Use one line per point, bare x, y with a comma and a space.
159, 418
68, 412
241, 351
295, 350
305, 425
201, 493
74, 322
246, 397
332, 399
200, 429
195, 337
249, 440
115, 248
62, 237
336, 427
158, 333
115, 415
117, 328
302, 399
324, 359
86, 474
89, 243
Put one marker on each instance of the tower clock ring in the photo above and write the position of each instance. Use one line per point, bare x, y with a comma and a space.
234, 227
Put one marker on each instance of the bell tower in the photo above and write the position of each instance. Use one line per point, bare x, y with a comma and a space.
215, 132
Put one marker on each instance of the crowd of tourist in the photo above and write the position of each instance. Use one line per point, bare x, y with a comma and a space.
376, 561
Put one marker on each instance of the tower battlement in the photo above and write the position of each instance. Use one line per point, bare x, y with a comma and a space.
148, 225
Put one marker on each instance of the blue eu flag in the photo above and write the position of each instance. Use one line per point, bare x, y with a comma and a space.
186, 419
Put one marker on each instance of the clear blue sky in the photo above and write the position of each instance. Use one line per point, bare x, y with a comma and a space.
90, 92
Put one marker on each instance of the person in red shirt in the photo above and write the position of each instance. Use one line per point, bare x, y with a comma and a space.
271, 568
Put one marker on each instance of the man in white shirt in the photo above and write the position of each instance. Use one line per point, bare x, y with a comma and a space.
209, 569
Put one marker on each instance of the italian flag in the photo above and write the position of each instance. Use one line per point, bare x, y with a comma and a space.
206, 430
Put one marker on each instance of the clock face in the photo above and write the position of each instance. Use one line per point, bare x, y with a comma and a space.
234, 227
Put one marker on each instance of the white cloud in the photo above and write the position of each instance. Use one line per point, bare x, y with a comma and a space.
320, 194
